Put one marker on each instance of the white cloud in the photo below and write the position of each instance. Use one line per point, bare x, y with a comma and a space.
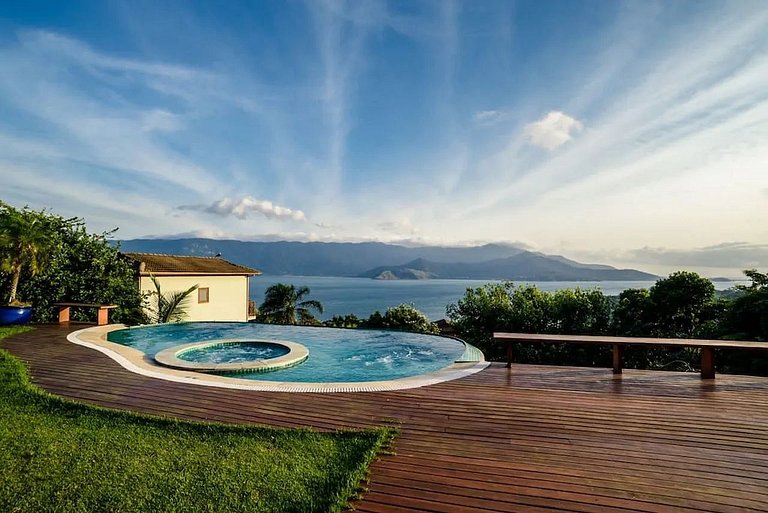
552, 131
240, 208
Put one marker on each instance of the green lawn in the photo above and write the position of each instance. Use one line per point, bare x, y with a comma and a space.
60, 456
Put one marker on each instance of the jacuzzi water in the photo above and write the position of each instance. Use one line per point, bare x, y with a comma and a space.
234, 353
335, 355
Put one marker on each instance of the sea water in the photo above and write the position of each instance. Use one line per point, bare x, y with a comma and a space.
362, 296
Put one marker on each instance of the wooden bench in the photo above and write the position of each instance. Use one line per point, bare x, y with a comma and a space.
103, 314
707, 346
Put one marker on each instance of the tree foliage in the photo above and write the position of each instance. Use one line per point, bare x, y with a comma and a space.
26, 243
580, 312
285, 304
747, 318
403, 318
631, 315
486, 309
343, 321
680, 304
526, 309
529, 309
78, 267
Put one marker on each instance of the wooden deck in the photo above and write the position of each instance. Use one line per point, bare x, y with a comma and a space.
526, 439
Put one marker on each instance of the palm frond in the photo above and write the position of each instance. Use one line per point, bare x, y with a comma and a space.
282, 304
305, 316
169, 307
300, 292
313, 304
175, 304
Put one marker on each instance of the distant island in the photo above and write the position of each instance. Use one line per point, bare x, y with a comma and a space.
523, 266
382, 261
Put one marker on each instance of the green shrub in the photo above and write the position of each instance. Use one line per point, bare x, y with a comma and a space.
402, 317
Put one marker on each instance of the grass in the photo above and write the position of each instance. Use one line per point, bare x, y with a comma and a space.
58, 455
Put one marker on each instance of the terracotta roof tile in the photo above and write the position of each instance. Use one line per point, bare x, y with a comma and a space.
157, 263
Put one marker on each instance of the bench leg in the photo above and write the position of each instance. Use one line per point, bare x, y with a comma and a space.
103, 317
63, 314
509, 355
618, 352
707, 363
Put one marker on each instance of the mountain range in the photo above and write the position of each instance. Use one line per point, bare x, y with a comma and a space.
390, 261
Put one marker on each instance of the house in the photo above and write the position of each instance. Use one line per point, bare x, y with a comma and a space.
222, 293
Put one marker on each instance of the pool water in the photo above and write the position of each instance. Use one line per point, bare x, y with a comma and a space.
234, 353
335, 355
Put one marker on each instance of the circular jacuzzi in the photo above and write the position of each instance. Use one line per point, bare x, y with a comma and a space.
233, 356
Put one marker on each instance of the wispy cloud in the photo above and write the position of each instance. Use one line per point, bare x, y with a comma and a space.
690, 132
342, 30
241, 208
487, 117
402, 226
161, 121
434, 122
143, 131
45, 79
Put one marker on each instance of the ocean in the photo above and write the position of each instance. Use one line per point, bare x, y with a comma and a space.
362, 296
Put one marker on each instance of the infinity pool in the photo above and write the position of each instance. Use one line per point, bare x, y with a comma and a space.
335, 355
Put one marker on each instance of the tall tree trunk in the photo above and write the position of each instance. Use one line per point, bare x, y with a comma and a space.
14, 284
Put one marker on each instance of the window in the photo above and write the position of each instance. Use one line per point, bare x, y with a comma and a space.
202, 295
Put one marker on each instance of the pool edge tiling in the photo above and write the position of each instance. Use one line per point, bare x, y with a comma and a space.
140, 363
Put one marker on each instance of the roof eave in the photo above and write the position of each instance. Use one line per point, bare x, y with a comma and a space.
190, 273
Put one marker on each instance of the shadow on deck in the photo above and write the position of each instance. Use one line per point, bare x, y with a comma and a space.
526, 439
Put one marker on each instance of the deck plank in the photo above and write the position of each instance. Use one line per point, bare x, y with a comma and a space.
530, 439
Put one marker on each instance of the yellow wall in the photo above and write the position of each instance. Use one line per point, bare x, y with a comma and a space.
228, 295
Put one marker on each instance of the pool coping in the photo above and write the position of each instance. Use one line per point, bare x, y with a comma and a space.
140, 363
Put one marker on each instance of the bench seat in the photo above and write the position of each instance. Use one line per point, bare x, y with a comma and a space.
707, 346
103, 311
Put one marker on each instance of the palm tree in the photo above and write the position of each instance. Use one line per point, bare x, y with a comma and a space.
171, 307
283, 305
25, 241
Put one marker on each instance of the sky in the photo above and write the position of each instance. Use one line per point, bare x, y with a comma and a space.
632, 134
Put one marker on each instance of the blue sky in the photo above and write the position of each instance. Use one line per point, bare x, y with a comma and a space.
628, 133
